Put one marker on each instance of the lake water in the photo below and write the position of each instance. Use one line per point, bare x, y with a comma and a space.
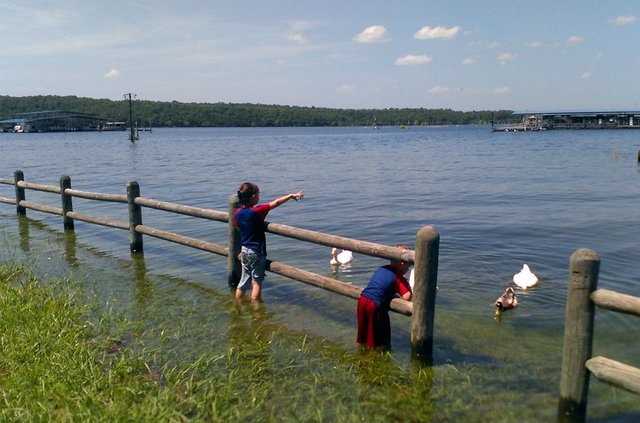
498, 200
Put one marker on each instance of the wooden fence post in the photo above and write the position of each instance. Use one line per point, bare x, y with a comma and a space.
135, 217
424, 294
578, 336
18, 176
67, 204
234, 269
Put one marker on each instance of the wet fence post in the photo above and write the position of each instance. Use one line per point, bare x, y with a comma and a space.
18, 176
135, 217
233, 264
578, 336
67, 204
424, 294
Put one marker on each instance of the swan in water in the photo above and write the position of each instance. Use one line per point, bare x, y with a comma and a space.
507, 300
525, 278
343, 257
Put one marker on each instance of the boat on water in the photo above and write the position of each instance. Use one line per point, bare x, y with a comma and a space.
529, 123
114, 126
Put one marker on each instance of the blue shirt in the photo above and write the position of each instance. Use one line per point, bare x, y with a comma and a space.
250, 221
384, 285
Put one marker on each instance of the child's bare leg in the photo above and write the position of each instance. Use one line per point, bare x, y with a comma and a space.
239, 294
256, 292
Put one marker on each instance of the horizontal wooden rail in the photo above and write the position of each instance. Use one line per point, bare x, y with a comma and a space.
615, 373
616, 301
39, 187
184, 240
116, 198
40, 207
119, 224
363, 247
181, 209
7, 200
424, 258
352, 291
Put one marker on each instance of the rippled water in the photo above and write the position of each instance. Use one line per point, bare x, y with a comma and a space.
498, 200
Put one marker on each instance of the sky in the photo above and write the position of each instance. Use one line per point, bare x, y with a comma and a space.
459, 54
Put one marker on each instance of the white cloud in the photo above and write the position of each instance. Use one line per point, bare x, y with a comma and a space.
372, 34
298, 37
346, 88
439, 89
535, 44
410, 59
432, 33
468, 61
502, 90
507, 56
623, 20
574, 40
585, 75
504, 58
112, 74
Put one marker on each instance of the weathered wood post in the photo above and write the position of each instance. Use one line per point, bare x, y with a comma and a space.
135, 217
234, 269
67, 204
424, 294
18, 176
578, 336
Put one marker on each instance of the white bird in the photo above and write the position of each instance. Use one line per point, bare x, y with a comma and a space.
344, 257
525, 278
411, 278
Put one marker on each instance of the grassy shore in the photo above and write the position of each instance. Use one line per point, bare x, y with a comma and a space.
63, 358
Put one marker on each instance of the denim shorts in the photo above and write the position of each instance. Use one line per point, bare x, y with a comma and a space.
253, 267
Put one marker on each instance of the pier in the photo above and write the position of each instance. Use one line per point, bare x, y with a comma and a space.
545, 120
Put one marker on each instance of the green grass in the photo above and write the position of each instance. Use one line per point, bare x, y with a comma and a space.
68, 356
63, 359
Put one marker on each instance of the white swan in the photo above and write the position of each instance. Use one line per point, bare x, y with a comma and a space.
525, 278
344, 257
411, 278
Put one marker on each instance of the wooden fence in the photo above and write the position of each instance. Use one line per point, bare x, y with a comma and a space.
424, 258
577, 363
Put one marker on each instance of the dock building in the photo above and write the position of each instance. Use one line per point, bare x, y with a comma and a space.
540, 121
52, 121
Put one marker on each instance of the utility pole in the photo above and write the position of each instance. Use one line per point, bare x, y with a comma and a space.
134, 133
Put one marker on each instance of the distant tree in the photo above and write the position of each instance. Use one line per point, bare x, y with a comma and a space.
176, 114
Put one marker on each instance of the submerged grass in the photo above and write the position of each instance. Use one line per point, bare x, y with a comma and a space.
66, 356
63, 359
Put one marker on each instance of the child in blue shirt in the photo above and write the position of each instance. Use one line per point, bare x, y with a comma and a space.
249, 218
387, 283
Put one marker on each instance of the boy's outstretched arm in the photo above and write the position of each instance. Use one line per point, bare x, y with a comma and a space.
281, 200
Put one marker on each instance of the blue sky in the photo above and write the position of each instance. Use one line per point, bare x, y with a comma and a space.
458, 54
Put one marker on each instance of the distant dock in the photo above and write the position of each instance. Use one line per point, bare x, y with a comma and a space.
542, 121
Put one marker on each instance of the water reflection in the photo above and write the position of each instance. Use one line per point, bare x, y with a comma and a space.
144, 287
70, 249
23, 232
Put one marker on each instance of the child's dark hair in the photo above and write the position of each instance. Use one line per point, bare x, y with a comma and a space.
246, 191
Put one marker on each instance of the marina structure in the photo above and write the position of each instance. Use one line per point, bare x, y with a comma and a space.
544, 120
52, 121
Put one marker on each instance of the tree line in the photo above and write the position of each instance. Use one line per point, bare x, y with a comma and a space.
177, 114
